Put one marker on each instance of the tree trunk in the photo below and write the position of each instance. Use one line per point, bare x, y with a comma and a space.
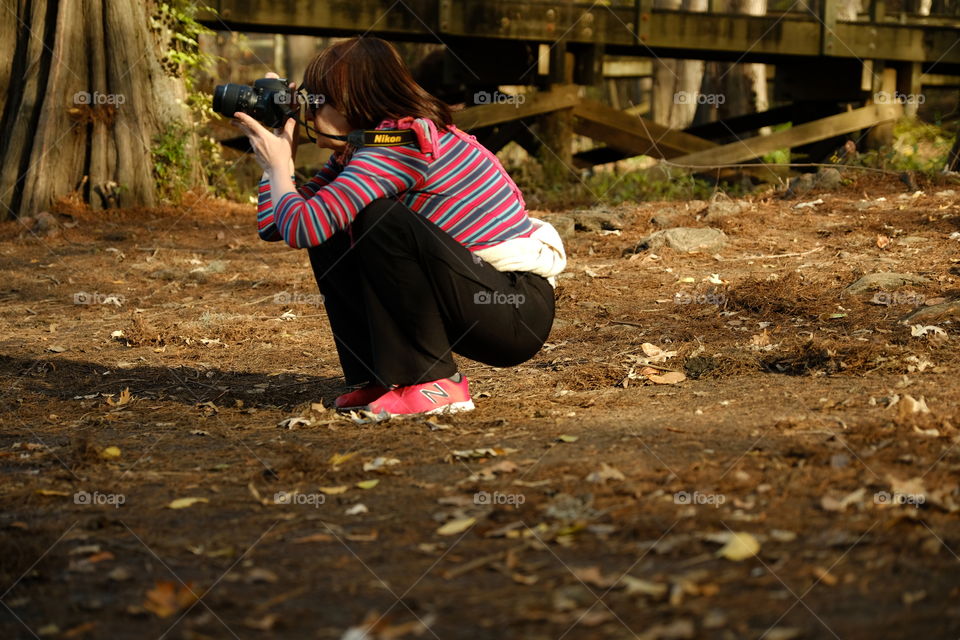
86, 95
738, 88
676, 83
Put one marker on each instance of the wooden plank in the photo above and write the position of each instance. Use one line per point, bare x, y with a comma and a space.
744, 150
731, 126
627, 67
562, 97
624, 29
633, 134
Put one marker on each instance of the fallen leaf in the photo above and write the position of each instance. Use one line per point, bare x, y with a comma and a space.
261, 574
333, 491
484, 452
670, 377
167, 598
183, 503
315, 537
293, 423
910, 405
367, 484
760, 339
261, 624
638, 586
51, 492
829, 503
456, 526
605, 473
566, 438
740, 546
357, 509
379, 463
338, 459
593, 575
110, 453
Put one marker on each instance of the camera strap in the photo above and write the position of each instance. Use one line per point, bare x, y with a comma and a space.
376, 137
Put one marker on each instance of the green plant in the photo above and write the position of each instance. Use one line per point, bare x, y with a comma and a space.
917, 146
183, 155
629, 184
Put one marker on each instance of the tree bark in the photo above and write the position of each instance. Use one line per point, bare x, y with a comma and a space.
86, 95
676, 83
743, 86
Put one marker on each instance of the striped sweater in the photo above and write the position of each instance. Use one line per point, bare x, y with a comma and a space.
448, 177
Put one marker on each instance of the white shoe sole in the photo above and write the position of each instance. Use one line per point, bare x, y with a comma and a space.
454, 407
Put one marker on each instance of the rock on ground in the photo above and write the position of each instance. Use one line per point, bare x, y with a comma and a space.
685, 239
885, 281
826, 179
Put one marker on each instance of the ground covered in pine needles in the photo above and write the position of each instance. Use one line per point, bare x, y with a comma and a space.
726, 443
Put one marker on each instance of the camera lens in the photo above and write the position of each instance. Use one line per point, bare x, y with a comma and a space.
231, 98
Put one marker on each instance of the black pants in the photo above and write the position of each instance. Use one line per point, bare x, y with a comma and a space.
403, 296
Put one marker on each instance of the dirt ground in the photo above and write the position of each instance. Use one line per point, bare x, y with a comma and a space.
163, 439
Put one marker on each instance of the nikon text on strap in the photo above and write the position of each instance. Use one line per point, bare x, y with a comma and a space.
376, 137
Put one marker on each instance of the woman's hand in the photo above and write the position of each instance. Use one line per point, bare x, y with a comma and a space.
273, 152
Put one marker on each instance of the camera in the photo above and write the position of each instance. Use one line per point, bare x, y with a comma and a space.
269, 101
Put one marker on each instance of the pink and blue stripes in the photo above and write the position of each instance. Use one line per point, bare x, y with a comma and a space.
462, 188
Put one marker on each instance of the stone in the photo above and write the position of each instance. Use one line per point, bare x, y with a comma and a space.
42, 224
666, 218
801, 185
685, 239
935, 312
564, 225
597, 220
723, 208
885, 281
828, 179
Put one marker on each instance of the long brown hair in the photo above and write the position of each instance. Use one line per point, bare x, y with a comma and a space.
366, 80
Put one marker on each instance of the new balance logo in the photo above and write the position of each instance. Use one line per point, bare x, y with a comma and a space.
439, 393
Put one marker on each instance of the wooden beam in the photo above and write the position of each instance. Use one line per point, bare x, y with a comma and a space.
633, 134
636, 29
731, 126
744, 150
562, 97
627, 67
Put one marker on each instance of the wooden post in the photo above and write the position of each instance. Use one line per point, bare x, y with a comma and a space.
909, 88
556, 127
828, 20
883, 93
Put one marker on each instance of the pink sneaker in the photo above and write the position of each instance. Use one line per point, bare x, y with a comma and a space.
439, 396
360, 397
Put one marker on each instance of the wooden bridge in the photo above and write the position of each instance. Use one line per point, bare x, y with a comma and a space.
825, 54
